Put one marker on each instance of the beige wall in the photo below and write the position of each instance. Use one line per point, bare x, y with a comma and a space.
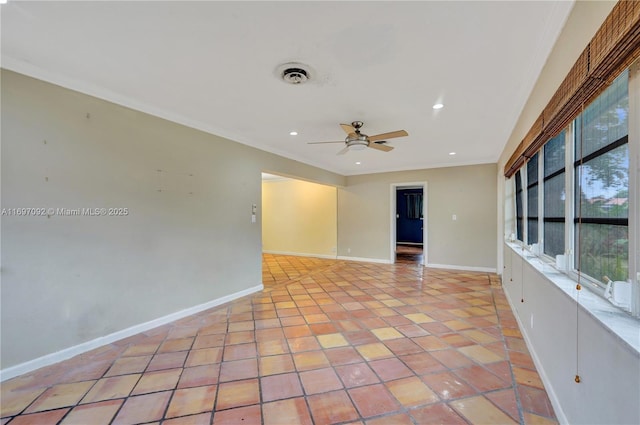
299, 218
364, 215
70, 279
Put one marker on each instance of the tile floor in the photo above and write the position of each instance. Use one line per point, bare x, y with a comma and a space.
327, 342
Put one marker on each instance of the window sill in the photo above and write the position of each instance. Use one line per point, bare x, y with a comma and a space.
613, 319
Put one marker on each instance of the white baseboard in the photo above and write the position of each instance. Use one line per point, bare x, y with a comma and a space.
366, 260
553, 398
301, 254
464, 268
67, 353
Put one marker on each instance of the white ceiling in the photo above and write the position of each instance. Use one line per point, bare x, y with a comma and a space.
212, 66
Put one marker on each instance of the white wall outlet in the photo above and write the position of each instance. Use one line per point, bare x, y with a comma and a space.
348, 250
454, 217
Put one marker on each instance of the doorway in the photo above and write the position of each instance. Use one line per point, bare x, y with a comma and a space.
408, 223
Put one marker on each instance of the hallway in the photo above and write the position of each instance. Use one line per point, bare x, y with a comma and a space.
326, 342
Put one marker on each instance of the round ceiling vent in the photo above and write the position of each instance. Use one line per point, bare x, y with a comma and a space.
294, 73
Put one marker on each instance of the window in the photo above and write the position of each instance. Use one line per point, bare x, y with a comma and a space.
519, 208
598, 203
414, 205
584, 206
532, 199
602, 185
554, 195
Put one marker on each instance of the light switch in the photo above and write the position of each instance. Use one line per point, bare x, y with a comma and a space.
454, 217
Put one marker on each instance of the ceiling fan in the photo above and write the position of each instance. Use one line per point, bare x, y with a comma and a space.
357, 141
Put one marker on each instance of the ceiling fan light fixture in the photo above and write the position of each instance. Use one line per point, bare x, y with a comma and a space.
357, 146
358, 143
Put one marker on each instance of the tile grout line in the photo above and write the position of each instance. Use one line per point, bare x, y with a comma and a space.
506, 349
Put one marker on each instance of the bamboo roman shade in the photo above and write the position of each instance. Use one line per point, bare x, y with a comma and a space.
614, 48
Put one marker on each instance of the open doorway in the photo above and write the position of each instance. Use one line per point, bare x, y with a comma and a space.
298, 217
409, 223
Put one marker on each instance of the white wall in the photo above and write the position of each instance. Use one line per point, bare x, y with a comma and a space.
609, 391
187, 240
299, 218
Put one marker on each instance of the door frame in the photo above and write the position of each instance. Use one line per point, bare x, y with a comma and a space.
393, 190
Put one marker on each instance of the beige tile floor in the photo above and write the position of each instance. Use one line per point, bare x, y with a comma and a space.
326, 342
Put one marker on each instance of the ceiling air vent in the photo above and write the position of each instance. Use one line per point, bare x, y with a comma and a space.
294, 73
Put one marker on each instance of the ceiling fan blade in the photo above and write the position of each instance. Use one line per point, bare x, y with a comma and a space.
380, 147
318, 143
343, 151
348, 128
399, 133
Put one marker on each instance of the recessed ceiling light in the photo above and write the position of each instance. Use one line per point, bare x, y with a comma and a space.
358, 162
452, 153
293, 133
438, 106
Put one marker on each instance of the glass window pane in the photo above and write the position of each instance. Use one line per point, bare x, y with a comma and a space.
553, 238
554, 154
604, 185
554, 196
519, 230
532, 170
605, 120
532, 202
532, 231
519, 209
603, 250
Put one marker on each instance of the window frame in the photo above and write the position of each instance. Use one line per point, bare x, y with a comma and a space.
576, 201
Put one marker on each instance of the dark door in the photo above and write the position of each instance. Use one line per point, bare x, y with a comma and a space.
409, 218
